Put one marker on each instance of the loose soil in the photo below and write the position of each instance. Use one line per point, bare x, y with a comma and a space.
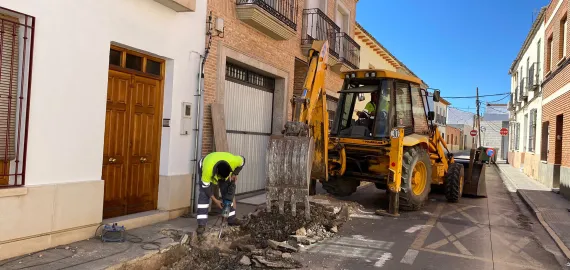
251, 239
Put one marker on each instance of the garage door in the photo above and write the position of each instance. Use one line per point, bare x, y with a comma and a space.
248, 105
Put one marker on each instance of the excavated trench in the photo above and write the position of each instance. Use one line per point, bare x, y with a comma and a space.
266, 240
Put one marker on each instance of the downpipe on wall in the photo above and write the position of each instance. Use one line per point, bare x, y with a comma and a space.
198, 128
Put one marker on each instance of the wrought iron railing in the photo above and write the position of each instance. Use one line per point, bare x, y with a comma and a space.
284, 10
531, 78
318, 26
522, 88
349, 50
16, 59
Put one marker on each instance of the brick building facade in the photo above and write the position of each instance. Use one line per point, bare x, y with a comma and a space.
263, 46
555, 151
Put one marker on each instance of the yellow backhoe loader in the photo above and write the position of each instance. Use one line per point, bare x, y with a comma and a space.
383, 132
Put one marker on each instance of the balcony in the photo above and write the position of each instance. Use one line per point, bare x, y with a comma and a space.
275, 18
533, 76
318, 26
179, 5
343, 50
523, 90
349, 51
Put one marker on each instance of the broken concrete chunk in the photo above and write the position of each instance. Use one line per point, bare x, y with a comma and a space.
245, 260
257, 252
301, 232
281, 246
286, 256
300, 239
273, 252
279, 264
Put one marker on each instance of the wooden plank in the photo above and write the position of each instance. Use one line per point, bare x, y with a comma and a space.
220, 135
219, 125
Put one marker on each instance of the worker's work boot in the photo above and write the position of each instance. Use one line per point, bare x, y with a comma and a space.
201, 229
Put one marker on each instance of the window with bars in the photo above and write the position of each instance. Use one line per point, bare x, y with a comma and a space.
517, 135
544, 141
249, 77
532, 131
525, 128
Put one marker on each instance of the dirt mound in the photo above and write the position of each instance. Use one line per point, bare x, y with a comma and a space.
272, 225
266, 239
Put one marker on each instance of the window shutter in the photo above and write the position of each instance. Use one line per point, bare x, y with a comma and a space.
9, 70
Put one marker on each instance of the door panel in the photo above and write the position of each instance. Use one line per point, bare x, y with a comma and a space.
143, 157
116, 144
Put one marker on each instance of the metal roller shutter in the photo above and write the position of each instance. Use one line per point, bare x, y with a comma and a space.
248, 105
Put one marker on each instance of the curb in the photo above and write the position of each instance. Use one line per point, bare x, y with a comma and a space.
551, 232
534, 209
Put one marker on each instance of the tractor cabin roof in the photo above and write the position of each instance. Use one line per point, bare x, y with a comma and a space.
382, 73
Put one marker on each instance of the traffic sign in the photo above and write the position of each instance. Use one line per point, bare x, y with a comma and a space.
504, 131
490, 152
473, 133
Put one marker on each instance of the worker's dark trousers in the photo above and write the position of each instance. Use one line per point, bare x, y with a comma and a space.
204, 201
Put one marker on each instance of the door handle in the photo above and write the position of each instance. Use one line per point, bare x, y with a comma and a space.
112, 160
143, 159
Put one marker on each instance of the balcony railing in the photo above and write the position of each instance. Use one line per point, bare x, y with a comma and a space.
318, 26
284, 10
349, 51
522, 88
533, 76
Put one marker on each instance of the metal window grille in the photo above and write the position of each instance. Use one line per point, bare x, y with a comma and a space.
517, 135
283, 10
16, 55
525, 131
532, 131
249, 77
544, 141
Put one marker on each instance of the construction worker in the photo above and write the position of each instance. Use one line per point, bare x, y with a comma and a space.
222, 169
370, 108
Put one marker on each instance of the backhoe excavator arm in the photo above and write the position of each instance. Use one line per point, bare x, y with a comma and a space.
301, 153
311, 110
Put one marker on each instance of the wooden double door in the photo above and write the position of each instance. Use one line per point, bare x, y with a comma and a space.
132, 142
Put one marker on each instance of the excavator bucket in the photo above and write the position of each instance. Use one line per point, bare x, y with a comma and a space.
289, 161
474, 180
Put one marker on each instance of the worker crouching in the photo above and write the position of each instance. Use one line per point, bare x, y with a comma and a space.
222, 169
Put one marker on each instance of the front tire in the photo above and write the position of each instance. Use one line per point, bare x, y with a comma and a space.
416, 178
454, 182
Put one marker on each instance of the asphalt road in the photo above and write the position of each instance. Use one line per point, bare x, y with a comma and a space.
497, 232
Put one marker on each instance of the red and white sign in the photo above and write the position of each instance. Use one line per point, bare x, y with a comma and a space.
473, 133
504, 131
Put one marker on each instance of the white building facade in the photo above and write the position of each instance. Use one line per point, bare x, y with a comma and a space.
525, 106
100, 116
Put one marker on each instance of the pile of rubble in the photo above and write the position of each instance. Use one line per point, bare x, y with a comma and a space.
265, 240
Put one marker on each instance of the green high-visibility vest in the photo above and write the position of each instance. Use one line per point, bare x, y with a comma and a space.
209, 163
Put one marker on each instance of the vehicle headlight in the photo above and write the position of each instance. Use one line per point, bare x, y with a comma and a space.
347, 76
367, 75
353, 75
373, 74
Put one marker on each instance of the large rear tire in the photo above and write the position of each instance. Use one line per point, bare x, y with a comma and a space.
339, 187
454, 182
416, 178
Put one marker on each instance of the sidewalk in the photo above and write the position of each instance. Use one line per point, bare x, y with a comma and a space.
147, 247
551, 209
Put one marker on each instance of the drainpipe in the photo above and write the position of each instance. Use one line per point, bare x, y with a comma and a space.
199, 117
198, 129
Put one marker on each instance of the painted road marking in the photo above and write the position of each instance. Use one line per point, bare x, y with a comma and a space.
481, 259
410, 256
422, 236
415, 228
385, 257
357, 247
366, 216
517, 249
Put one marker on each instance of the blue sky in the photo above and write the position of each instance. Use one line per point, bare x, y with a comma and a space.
454, 46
